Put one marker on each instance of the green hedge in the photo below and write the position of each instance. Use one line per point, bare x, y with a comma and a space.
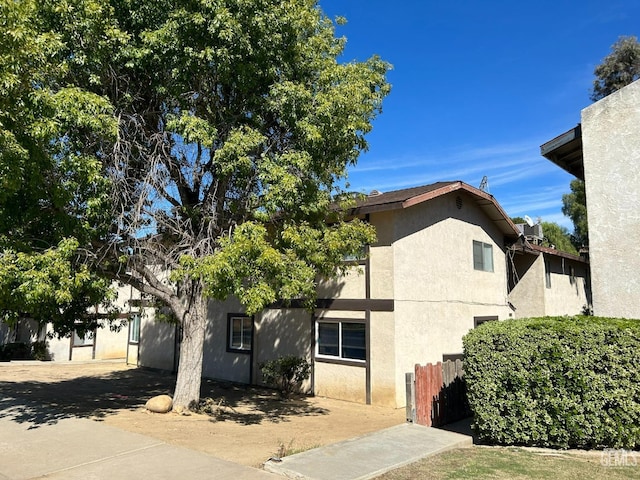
567, 382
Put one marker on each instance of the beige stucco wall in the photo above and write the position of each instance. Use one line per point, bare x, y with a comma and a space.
217, 362
611, 147
383, 359
528, 295
340, 381
438, 292
532, 298
565, 297
156, 348
59, 349
110, 345
381, 255
350, 285
280, 332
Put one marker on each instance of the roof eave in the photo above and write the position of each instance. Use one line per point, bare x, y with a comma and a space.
566, 151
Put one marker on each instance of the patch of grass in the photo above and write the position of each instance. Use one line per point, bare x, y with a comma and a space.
513, 464
285, 450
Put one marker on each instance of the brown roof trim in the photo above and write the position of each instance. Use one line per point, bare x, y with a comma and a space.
558, 253
413, 196
538, 249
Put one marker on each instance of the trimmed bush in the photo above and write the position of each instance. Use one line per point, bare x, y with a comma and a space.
285, 373
564, 382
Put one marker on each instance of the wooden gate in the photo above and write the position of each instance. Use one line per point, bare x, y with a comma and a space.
440, 393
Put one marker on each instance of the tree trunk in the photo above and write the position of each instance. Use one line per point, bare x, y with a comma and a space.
194, 324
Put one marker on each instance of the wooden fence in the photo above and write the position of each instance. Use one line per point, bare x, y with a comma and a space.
440, 393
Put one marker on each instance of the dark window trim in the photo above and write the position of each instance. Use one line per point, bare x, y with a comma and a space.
452, 357
230, 349
477, 321
343, 304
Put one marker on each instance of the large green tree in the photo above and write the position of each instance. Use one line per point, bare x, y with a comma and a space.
618, 69
200, 147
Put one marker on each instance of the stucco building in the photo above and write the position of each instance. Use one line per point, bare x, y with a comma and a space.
438, 269
604, 151
447, 258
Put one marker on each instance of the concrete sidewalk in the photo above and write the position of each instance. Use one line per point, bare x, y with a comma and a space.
84, 449
370, 455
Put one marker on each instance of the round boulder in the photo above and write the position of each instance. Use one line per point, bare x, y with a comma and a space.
159, 404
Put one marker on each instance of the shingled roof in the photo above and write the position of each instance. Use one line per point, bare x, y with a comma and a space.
405, 198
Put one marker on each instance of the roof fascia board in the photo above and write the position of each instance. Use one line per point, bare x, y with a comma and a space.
479, 194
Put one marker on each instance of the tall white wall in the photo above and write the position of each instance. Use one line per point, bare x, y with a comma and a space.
611, 148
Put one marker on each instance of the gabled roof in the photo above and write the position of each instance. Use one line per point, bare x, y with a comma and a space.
408, 197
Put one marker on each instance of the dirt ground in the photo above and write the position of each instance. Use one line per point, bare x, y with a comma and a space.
245, 425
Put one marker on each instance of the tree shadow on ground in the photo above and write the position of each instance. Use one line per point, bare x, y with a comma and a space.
41, 403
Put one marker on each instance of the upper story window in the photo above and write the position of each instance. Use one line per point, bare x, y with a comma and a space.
482, 256
240, 333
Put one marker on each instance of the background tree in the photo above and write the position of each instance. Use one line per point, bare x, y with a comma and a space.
554, 235
618, 69
574, 206
51, 188
234, 126
558, 237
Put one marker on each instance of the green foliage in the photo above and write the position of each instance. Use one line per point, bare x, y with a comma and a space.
285, 373
565, 382
558, 236
618, 69
50, 287
207, 139
574, 206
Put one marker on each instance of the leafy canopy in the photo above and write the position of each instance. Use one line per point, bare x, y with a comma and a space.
208, 139
618, 69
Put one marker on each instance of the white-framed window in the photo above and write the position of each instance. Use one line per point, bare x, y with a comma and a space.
85, 340
341, 339
482, 256
240, 333
134, 328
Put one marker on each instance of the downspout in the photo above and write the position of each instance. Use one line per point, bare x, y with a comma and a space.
367, 321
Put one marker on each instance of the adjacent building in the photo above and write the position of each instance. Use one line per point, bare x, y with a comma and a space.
447, 259
604, 151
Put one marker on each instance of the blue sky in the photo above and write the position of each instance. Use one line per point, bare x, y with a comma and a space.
477, 87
